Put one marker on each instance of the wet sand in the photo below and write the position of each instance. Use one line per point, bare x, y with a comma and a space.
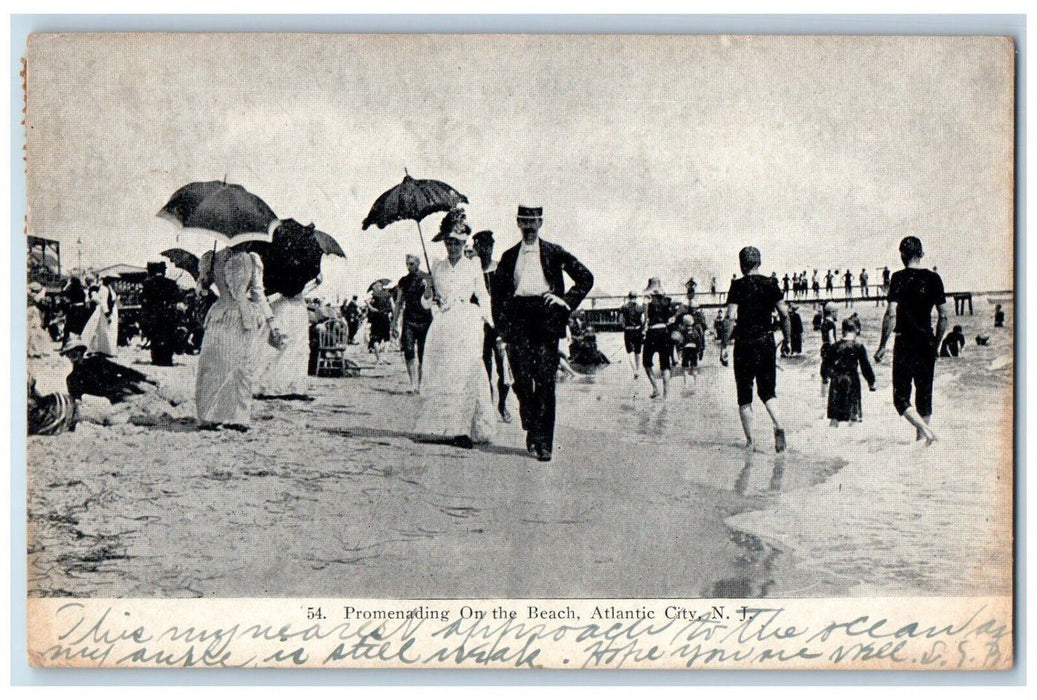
337, 497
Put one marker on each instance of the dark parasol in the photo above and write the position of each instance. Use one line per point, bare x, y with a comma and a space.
413, 199
228, 211
291, 259
328, 244
185, 260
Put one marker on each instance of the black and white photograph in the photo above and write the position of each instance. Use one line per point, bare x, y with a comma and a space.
595, 329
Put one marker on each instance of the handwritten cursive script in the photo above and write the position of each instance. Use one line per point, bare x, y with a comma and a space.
789, 635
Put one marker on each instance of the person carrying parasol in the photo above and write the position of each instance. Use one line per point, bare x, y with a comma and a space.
239, 322
292, 269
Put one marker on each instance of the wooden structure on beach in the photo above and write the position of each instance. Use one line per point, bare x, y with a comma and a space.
44, 261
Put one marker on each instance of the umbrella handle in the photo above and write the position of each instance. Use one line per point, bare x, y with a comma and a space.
424, 252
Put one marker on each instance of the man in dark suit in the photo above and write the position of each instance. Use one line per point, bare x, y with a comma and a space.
534, 310
158, 298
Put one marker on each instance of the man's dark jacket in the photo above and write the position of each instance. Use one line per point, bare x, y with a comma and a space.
555, 260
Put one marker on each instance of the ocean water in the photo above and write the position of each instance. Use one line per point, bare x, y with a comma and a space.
866, 504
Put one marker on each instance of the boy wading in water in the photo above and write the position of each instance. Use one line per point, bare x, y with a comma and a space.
753, 297
913, 292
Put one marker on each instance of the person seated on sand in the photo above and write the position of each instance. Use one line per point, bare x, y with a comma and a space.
844, 383
953, 344
96, 375
564, 345
125, 390
49, 414
584, 349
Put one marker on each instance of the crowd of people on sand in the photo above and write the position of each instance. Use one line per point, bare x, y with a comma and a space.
474, 329
166, 318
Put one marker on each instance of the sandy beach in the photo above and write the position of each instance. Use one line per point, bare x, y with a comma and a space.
337, 497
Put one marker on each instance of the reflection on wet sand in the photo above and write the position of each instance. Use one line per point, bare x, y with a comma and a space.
753, 575
777, 473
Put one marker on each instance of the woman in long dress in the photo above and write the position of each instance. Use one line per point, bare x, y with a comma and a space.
284, 375
455, 395
293, 271
37, 340
101, 333
236, 327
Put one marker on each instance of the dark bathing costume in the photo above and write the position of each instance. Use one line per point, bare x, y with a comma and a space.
754, 353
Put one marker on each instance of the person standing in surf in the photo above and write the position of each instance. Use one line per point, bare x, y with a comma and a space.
913, 292
753, 298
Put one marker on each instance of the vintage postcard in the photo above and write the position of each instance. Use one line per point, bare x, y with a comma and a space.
520, 351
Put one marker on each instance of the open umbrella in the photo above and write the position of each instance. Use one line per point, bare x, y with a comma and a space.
291, 259
186, 261
227, 211
413, 199
328, 244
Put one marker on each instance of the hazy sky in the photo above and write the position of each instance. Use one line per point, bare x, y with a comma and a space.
658, 156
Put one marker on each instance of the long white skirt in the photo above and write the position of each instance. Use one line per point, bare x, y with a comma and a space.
101, 334
227, 365
285, 370
38, 342
455, 394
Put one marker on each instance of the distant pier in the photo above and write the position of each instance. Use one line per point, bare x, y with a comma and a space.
605, 312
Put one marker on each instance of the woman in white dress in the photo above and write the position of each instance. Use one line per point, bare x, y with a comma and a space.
236, 328
101, 333
455, 397
37, 341
293, 271
285, 374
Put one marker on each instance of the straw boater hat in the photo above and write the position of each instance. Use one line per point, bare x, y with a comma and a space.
530, 213
655, 286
